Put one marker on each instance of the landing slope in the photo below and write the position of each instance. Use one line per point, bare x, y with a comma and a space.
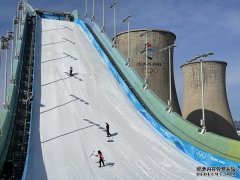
70, 115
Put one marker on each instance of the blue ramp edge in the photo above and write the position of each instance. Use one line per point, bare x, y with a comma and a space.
197, 154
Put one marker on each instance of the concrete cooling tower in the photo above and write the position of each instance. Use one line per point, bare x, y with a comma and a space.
158, 62
218, 117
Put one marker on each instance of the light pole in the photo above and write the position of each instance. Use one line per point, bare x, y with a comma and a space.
12, 50
203, 120
103, 7
127, 19
20, 9
17, 32
24, 6
86, 6
16, 21
5, 46
146, 58
93, 15
1, 47
170, 55
114, 22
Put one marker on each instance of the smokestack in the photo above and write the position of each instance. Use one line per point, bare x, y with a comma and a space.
218, 117
158, 62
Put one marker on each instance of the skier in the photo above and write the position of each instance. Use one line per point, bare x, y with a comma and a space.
70, 72
101, 159
107, 130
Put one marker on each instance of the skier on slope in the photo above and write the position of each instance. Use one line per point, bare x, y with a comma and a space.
107, 130
101, 158
70, 71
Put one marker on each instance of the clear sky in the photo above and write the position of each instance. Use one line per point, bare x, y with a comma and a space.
200, 26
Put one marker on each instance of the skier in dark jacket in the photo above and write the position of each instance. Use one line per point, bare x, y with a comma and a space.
70, 72
101, 158
107, 130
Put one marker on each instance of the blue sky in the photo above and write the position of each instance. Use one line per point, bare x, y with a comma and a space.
200, 26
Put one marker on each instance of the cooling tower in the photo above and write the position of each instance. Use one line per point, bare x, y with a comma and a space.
158, 62
218, 117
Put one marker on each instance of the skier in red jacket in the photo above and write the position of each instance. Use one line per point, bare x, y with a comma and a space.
101, 159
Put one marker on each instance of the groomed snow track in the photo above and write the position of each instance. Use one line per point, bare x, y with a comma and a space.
70, 112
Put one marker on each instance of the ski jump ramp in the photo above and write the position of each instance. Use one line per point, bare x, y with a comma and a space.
70, 113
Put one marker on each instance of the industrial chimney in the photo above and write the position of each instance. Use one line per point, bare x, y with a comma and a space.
158, 62
218, 117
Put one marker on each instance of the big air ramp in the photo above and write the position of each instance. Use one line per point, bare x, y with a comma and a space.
70, 113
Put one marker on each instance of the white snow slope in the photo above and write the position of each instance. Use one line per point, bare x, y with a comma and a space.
70, 114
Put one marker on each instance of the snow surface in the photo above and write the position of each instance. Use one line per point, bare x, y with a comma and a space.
70, 114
